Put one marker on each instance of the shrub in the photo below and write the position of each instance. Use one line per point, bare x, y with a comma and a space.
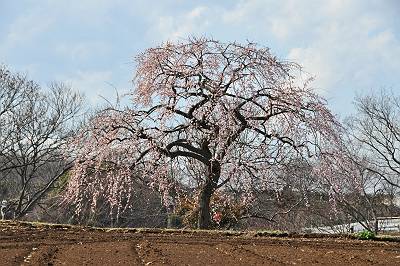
366, 235
225, 211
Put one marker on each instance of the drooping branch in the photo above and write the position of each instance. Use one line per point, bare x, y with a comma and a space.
228, 112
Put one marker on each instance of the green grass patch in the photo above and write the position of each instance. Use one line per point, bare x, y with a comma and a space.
365, 235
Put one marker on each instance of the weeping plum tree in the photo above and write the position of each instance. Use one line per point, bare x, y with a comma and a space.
206, 113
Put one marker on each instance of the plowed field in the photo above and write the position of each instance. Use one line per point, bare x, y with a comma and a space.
39, 244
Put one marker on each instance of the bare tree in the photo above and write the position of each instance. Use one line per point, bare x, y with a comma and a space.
14, 90
35, 129
376, 126
365, 172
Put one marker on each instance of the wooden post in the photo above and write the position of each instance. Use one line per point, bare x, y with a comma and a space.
3, 206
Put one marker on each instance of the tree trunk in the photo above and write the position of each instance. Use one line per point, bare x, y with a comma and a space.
204, 218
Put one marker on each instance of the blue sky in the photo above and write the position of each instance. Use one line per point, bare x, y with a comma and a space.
350, 46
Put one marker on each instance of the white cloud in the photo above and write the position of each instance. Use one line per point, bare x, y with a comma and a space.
353, 57
24, 29
180, 26
349, 44
89, 12
97, 85
78, 51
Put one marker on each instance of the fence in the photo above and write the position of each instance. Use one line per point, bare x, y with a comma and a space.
384, 224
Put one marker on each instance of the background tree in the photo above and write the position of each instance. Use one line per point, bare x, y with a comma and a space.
14, 90
35, 126
376, 128
363, 179
227, 112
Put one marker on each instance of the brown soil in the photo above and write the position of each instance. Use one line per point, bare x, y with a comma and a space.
40, 244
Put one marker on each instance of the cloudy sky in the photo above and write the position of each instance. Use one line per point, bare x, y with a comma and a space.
350, 46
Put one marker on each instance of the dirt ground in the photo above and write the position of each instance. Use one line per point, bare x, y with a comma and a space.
40, 244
